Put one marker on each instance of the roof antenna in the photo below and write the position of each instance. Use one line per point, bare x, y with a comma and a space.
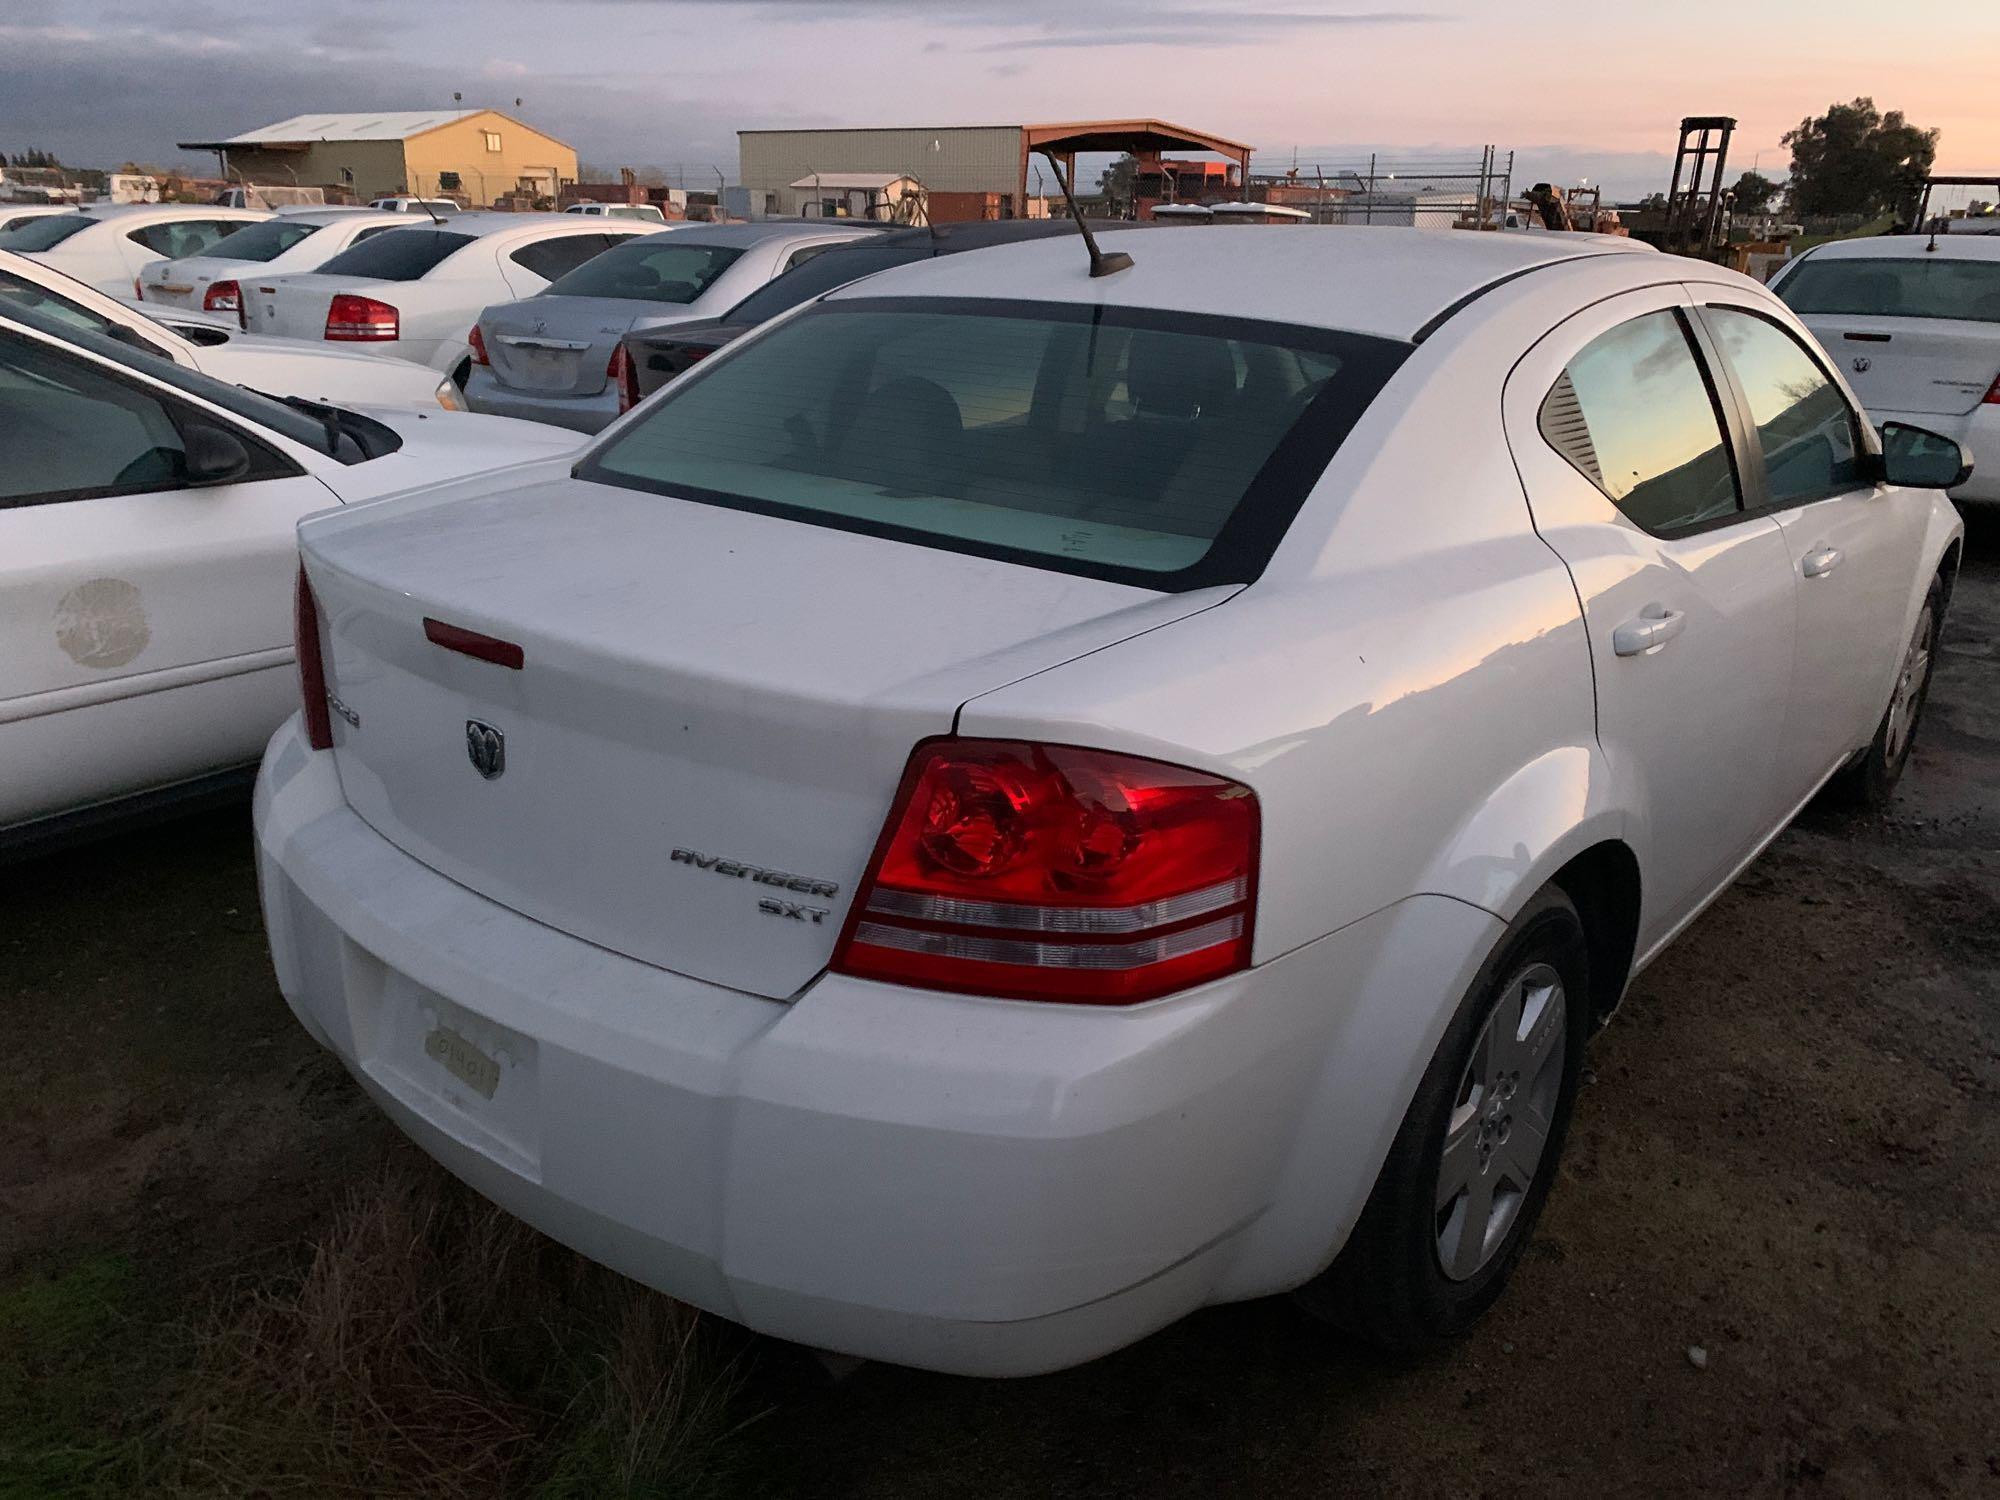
1100, 263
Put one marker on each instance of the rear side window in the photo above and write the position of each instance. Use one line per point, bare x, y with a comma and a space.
648, 269
1883, 288
405, 255
262, 242
1634, 414
18, 291
1804, 425
1167, 450
46, 232
555, 257
183, 237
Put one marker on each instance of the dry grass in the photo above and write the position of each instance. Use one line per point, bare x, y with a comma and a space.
434, 1346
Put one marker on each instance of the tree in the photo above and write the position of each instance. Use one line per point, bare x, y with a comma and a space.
1855, 160
1114, 183
1754, 192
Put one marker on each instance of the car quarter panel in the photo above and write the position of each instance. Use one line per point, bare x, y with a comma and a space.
1412, 653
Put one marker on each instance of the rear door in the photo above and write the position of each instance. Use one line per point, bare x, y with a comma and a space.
144, 625
1619, 435
1854, 544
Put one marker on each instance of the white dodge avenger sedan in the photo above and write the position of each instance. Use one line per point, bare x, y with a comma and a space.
1013, 804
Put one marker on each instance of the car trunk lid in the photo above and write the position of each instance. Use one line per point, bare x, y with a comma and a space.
712, 710
557, 345
295, 307
1934, 365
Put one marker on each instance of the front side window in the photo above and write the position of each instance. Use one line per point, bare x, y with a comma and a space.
262, 242
649, 268
406, 255
18, 291
1804, 424
45, 233
1881, 287
74, 430
1634, 414
1163, 449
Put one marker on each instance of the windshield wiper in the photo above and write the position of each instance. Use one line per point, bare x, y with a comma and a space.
329, 419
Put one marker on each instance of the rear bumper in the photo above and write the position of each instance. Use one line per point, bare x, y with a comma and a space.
974, 1186
485, 392
1978, 430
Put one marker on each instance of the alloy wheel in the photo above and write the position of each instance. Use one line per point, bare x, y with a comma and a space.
1910, 680
1500, 1121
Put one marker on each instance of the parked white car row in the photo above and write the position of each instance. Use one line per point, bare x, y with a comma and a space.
108, 245
1010, 804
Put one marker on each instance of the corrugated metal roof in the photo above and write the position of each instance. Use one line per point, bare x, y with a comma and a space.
383, 125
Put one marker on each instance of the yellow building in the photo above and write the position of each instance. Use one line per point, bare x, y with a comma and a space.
475, 154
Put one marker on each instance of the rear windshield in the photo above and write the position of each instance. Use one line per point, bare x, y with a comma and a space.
1882, 288
46, 232
1163, 449
822, 273
399, 255
662, 268
261, 242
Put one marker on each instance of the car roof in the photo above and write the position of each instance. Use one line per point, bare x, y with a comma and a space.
1910, 246
481, 225
172, 211
755, 232
1387, 281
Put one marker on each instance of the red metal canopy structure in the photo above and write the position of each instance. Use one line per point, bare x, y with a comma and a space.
1142, 138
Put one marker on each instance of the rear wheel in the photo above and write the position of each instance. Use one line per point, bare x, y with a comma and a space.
1477, 1151
1872, 777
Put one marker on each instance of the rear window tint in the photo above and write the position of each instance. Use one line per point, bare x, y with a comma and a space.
262, 242
648, 270
1883, 288
46, 232
554, 258
1163, 449
402, 255
820, 274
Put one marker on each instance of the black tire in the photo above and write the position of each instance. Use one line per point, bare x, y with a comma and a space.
1389, 1285
1868, 781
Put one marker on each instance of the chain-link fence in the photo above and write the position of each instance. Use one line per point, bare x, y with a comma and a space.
1427, 192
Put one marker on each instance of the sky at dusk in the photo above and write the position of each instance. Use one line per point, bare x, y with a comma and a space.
1577, 89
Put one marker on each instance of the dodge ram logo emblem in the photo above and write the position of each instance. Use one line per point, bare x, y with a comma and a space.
1861, 364
486, 748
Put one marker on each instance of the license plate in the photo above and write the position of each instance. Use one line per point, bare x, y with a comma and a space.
462, 1060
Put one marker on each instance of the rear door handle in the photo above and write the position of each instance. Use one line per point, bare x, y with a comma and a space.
1655, 626
1820, 562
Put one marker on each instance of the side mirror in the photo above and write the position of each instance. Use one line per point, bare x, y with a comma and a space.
1922, 459
211, 456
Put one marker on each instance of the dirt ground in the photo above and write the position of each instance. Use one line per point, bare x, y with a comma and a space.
1787, 1157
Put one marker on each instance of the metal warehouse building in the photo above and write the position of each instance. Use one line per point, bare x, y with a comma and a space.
993, 161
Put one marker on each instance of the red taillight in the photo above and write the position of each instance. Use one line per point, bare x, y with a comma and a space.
1048, 872
352, 317
223, 296
1992, 397
623, 372
478, 342
312, 665
475, 644
138, 291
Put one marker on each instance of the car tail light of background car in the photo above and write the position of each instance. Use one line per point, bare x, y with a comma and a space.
312, 665
623, 372
223, 296
138, 291
351, 317
477, 341
1992, 397
1049, 872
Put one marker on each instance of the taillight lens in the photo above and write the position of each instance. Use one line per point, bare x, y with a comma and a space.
312, 665
138, 291
352, 317
623, 372
223, 296
478, 342
1992, 397
1049, 872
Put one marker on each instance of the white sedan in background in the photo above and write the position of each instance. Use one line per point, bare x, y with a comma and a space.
1914, 323
1011, 804
108, 245
217, 347
147, 559
416, 293
293, 240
